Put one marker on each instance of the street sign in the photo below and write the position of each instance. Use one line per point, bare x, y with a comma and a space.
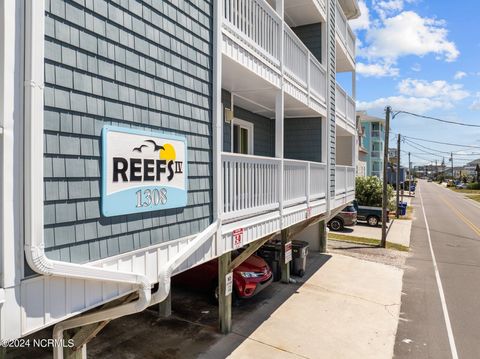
229, 283
288, 252
237, 238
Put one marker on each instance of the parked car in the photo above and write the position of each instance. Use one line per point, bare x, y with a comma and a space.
249, 278
369, 214
429, 180
347, 217
461, 185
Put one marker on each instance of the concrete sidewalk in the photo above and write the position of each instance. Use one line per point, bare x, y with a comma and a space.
349, 308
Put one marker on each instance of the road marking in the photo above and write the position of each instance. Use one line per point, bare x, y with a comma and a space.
462, 216
451, 339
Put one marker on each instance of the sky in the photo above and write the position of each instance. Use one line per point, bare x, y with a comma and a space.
422, 56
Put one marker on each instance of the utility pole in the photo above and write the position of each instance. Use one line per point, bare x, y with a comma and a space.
436, 168
397, 179
409, 175
385, 199
451, 160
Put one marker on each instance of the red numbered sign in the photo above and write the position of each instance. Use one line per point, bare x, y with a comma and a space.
237, 238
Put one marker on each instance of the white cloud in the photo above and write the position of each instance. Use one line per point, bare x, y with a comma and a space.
459, 75
420, 96
387, 7
363, 22
413, 104
416, 67
408, 34
435, 89
377, 70
476, 103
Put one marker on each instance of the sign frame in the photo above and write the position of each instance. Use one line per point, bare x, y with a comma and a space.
109, 210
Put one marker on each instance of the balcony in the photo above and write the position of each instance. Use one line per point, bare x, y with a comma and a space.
377, 154
252, 35
345, 42
252, 185
344, 110
377, 134
344, 185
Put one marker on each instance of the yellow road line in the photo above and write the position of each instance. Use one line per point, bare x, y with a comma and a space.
462, 216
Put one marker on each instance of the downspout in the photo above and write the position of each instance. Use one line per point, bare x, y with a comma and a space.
329, 107
164, 283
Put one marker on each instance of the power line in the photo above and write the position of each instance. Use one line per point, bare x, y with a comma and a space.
418, 148
436, 119
445, 152
442, 143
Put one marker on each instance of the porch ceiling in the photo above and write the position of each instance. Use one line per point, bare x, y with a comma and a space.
255, 94
343, 63
302, 12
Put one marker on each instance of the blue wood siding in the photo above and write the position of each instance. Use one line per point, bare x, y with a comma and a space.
137, 64
303, 139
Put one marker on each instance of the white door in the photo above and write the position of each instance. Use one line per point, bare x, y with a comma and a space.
242, 137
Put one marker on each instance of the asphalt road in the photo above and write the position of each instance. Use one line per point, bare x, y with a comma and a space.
440, 312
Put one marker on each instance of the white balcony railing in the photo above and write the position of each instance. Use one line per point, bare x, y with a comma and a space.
344, 105
322, 5
251, 183
256, 24
347, 37
302, 67
344, 180
257, 27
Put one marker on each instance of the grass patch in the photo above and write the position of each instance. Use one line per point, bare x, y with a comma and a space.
465, 191
475, 197
407, 216
365, 240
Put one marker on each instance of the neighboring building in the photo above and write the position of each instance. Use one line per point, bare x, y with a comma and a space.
361, 151
142, 138
374, 139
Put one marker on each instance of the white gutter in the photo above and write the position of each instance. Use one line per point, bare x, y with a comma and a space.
34, 239
164, 282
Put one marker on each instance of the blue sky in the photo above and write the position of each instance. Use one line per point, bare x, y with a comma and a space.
422, 56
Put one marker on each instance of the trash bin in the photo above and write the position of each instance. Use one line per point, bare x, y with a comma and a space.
402, 208
299, 258
271, 253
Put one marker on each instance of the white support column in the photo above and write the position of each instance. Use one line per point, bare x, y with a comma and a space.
217, 118
354, 85
11, 156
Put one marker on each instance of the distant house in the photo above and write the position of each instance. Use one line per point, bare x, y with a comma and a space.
361, 170
373, 129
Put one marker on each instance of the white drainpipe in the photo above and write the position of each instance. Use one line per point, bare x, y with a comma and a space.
164, 281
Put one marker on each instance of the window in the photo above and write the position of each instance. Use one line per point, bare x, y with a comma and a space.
242, 137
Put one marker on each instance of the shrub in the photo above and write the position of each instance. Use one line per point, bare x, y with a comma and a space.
369, 192
474, 185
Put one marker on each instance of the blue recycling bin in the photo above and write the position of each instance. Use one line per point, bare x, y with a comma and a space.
402, 208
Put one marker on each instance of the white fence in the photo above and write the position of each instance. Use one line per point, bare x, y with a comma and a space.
251, 183
256, 23
344, 105
344, 179
347, 37
257, 26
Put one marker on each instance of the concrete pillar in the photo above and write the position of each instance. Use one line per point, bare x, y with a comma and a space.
165, 307
285, 267
224, 301
323, 236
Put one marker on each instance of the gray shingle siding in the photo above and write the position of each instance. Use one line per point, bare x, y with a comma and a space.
332, 89
303, 139
137, 64
263, 130
311, 36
